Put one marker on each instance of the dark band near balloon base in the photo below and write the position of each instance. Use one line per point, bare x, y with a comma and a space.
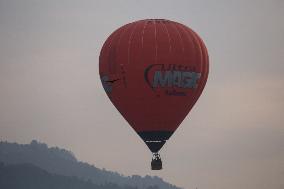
155, 139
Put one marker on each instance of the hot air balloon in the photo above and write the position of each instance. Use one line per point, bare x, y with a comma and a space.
153, 71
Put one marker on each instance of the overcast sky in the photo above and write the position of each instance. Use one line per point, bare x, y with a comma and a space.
233, 138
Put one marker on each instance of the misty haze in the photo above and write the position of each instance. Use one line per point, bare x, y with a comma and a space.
57, 125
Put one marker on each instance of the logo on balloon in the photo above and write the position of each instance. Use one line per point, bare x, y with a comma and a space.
172, 77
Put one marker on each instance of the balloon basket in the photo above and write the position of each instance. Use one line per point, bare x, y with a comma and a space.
156, 163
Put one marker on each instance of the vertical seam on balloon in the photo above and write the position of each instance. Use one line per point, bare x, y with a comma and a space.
206, 58
103, 49
206, 63
201, 49
206, 55
156, 44
121, 34
181, 42
186, 36
196, 40
191, 33
126, 27
142, 37
102, 52
169, 38
110, 44
129, 43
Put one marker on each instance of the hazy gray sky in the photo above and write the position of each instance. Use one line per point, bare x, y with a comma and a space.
233, 138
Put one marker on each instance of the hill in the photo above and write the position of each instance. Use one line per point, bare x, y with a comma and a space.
63, 162
29, 176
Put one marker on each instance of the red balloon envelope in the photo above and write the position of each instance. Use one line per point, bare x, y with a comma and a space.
154, 71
